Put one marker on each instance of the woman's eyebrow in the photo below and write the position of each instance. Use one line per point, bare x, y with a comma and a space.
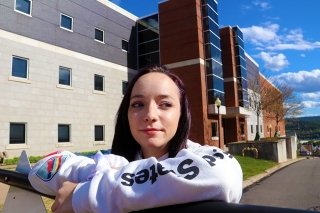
136, 96
163, 96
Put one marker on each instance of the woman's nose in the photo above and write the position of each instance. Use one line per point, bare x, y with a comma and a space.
151, 114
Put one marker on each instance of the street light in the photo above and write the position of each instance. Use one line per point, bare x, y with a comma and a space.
270, 127
218, 104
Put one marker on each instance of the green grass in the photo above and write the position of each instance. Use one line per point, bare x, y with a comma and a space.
251, 166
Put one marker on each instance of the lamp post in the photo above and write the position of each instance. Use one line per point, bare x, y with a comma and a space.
270, 128
218, 104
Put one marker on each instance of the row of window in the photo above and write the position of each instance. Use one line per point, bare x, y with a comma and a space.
257, 129
20, 69
18, 133
214, 129
66, 22
269, 129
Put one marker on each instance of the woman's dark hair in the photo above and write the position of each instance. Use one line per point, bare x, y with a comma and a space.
123, 142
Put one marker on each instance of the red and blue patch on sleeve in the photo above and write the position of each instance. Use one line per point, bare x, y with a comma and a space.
52, 165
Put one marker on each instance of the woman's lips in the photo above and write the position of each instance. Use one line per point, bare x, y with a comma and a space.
151, 131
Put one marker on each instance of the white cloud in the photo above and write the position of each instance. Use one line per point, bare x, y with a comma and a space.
268, 38
274, 62
261, 35
257, 4
311, 104
302, 81
294, 41
262, 4
311, 95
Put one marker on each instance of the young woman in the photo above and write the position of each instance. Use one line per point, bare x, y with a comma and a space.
152, 162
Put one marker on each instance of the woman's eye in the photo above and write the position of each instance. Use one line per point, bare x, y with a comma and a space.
165, 105
136, 105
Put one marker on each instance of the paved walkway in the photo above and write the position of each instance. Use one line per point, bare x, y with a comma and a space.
250, 181
3, 192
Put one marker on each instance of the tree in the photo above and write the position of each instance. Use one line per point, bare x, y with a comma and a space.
256, 91
282, 103
275, 100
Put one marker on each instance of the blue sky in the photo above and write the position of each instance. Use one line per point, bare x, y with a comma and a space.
281, 35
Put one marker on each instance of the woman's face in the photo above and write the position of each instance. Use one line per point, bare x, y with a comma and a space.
154, 113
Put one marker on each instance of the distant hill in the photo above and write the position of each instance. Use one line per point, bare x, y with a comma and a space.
307, 128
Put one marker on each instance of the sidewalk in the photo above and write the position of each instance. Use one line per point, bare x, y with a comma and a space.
3, 193
254, 179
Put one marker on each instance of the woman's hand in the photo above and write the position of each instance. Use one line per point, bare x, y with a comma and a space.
63, 201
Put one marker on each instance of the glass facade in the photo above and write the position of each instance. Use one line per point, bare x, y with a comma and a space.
148, 41
241, 68
215, 82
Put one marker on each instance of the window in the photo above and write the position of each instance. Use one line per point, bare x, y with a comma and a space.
124, 87
125, 45
214, 129
23, 6
17, 133
63, 133
251, 129
99, 133
19, 67
65, 76
99, 35
66, 22
242, 128
98, 82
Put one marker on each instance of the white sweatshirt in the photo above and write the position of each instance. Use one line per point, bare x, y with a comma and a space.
109, 183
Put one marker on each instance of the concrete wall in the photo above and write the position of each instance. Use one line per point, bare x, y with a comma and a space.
39, 101
44, 25
276, 150
42, 103
291, 145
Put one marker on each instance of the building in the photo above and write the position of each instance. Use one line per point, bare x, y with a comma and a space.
65, 66
235, 83
193, 52
255, 123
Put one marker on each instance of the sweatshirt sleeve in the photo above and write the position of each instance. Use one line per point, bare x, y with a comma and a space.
203, 173
48, 174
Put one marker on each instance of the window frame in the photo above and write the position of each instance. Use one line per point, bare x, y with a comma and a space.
22, 12
24, 133
127, 43
69, 134
103, 83
124, 85
96, 139
214, 130
62, 27
70, 76
26, 71
95, 38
